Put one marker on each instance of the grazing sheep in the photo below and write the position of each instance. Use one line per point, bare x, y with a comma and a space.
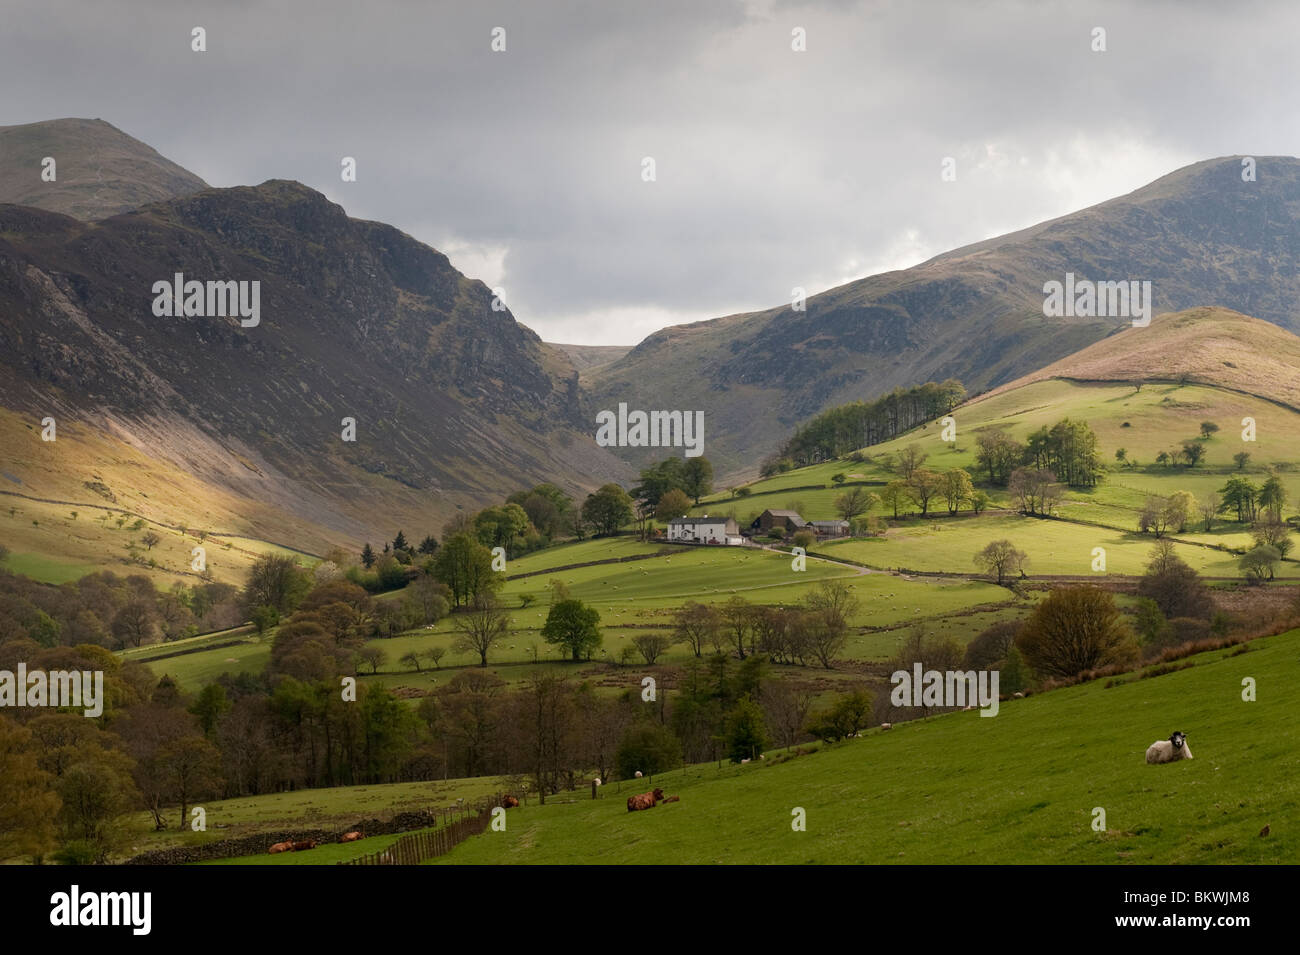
1017, 696
743, 762
597, 781
1169, 750
638, 774
886, 726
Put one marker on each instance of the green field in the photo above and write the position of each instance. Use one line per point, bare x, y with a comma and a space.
1021, 787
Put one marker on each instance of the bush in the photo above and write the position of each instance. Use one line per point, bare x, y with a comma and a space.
1076, 629
804, 539
647, 748
845, 718
746, 731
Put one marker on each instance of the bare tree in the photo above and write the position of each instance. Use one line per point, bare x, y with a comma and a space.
1002, 558
481, 625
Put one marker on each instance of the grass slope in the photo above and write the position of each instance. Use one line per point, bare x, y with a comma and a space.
1018, 788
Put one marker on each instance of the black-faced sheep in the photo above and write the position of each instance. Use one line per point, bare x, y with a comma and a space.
1169, 750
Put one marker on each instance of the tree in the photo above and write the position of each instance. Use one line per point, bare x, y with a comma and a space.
998, 453
1075, 629
1001, 557
658, 479
275, 580
400, 542
1241, 459
1272, 498
150, 540
697, 626
608, 509
1193, 453
697, 477
135, 623
481, 625
465, 567
28, 805
374, 657
411, 659
673, 504
367, 556
428, 546
651, 646
1240, 495
1178, 510
979, 502
846, 716
1273, 533
209, 706
745, 731
1208, 429
910, 459
853, 502
1260, 563
503, 526
574, 626
1210, 505
1174, 586
1035, 490
924, 486
957, 488
838, 478
830, 606
894, 494
264, 618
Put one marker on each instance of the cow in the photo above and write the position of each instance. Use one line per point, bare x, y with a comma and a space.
350, 837
644, 800
304, 846
281, 847
510, 802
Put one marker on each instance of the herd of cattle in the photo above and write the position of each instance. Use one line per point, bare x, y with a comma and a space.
648, 800
642, 801
309, 844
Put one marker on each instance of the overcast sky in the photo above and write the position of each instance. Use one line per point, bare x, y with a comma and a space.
774, 168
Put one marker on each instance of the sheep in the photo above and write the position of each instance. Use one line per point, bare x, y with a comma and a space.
638, 774
1169, 750
886, 726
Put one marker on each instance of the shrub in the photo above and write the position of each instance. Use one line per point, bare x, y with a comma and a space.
647, 748
1076, 629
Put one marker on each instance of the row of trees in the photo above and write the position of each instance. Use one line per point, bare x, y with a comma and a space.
838, 431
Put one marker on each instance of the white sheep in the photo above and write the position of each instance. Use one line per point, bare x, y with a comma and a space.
1169, 750
886, 726
597, 781
638, 774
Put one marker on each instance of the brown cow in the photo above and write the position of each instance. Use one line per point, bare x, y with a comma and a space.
350, 837
281, 847
510, 802
303, 846
644, 800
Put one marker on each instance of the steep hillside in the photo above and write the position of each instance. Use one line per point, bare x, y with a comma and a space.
100, 170
455, 404
1201, 235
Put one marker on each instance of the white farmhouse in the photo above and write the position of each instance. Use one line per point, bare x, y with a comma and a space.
704, 530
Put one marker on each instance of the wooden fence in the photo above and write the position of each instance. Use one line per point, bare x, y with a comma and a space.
415, 847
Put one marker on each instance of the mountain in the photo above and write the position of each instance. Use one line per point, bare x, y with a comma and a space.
1201, 235
99, 170
455, 404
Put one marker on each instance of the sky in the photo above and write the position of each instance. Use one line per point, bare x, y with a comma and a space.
774, 168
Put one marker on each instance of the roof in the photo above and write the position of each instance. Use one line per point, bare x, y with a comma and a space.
775, 513
705, 519
829, 523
